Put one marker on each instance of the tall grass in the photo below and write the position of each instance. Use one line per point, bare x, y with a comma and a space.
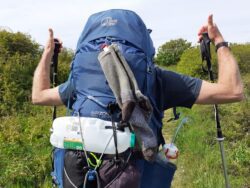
199, 163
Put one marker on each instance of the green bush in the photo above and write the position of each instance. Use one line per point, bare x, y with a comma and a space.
24, 128
17, 68
192, 65
20, 43
16, 82
170, 52
242, 53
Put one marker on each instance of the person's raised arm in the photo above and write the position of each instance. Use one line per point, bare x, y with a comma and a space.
229, 87
42, 94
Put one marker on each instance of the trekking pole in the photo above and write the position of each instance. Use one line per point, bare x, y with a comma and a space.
206, 55
54, 69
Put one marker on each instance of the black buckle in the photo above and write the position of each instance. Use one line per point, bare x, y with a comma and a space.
113, 107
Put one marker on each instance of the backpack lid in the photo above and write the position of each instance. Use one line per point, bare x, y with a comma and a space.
121, 24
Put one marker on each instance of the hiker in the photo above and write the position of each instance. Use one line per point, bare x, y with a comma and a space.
167, 90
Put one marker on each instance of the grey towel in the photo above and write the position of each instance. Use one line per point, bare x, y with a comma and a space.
136, 108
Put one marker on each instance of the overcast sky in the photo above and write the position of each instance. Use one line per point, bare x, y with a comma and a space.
169, 19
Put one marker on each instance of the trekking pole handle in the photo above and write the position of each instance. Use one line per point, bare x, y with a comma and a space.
206, 54
57, 46
55, 61
54, 66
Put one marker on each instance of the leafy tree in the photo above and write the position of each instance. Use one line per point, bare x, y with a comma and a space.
21, 43
170, 52
18, 57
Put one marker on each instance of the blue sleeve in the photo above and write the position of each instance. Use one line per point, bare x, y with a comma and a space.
66, 92
176, 89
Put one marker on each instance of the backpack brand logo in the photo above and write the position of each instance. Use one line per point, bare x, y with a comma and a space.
108, 21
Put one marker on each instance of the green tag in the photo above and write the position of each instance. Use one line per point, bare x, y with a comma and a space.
72, 144
132, 140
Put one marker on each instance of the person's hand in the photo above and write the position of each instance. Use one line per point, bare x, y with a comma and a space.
50, 46
212, 30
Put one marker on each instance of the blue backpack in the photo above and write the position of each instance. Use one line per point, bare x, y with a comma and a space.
92, 93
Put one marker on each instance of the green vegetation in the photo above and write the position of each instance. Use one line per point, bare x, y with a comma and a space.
199, 163
25, 129
170, 52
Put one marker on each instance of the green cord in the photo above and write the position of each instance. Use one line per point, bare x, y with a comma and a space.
97, 161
